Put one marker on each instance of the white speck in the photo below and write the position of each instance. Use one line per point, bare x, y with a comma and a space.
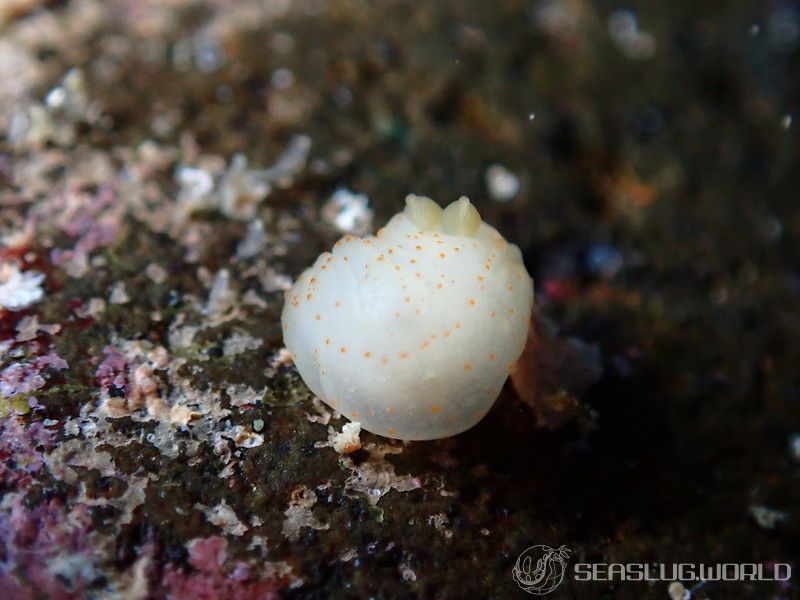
755, 29
786, 121
767, 517
118, 294
19, 290
531, 116
258, 425
349, 212
156, 273
623, 27
794, 446
677, 591
502, 184
282, 79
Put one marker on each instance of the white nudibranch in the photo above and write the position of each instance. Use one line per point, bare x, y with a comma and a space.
412, 332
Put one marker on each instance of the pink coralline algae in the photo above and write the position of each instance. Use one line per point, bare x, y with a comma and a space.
211, 581
113, 371
26, 377
21, 452
45, 551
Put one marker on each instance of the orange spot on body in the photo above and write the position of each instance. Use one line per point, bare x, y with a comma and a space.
403, 355
354, 414
367, 354
436, 409
467, 367
391, 431
318, 317
343, 349
327, 341
471, 301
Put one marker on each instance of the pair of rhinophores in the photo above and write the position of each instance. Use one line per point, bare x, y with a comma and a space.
412, 332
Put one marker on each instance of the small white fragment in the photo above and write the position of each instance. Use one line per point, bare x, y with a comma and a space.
239, 343
767, 517
794, 446
118, 294
677, 591
348, 212
299, 515
224, 517
156, 273
502, 184
440, 522
19, 290
348, 440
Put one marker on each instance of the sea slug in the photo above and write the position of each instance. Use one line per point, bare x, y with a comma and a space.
412, 332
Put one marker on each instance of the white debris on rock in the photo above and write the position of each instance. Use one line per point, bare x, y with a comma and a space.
118, 294
241, 190
502, 184
29, 327
224, 517
254, 241
348, 212
767, 517
623, 27
18, 289
440, 522
242, 395
238, 190
222, 300
156, 273
348, 440
375, 476
239, 343
242, 437
299, 515
794, 446
65, 106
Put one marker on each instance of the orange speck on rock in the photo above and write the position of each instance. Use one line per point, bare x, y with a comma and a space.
327, 341
436, 409
413, 261
442, 255
391, 409
391, 431
492, 356
367, 354
337, 304
471, 301
343, 349
467, 367
318, 317
309, 296
403, 355
354, 414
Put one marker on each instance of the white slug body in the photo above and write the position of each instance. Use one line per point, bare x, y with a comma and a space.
412, 332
